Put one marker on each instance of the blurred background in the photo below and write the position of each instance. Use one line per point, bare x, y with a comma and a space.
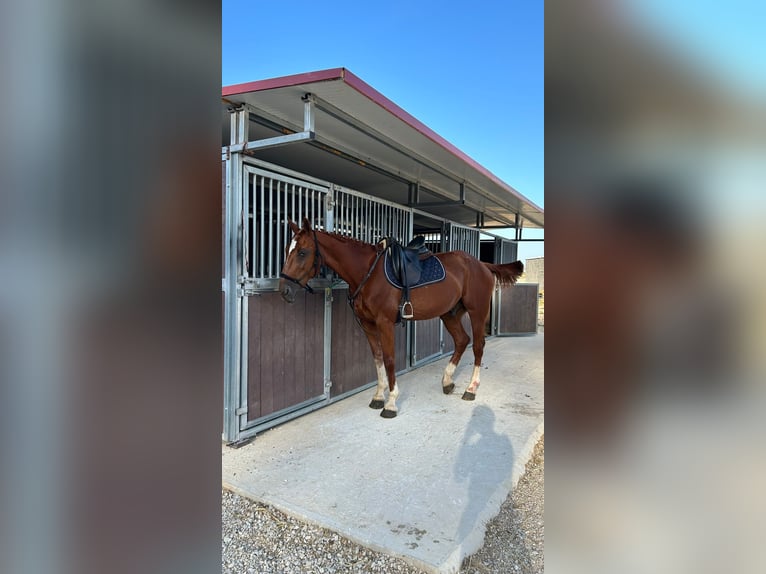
110, 330
656, 197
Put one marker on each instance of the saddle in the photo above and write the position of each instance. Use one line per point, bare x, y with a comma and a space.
407, 263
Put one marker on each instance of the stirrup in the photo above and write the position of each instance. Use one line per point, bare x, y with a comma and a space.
405, 314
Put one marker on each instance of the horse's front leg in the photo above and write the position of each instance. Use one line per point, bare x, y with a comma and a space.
386, 331
373, 338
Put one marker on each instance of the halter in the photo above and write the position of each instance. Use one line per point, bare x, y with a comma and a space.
318, 262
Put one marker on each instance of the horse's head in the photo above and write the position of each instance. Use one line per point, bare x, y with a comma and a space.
302, 261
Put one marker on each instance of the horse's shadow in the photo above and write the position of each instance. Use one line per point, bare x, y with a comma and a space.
485, 460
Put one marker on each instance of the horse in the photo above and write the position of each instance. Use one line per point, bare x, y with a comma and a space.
466, 288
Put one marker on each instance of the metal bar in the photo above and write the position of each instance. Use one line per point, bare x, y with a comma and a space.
413, 195
327, 371
258, 425
446, 203
244, 363
329, 216
271, 231
245, 224
308, 113
347, 222
243, 132
261, 251
279, 230
232, 302
299, 221
273, 170
357, 228
366, 220
275, 141
233, 128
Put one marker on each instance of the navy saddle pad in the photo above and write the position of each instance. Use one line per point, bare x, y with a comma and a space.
433, 272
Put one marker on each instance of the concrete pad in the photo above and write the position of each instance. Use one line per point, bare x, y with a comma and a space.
421, 486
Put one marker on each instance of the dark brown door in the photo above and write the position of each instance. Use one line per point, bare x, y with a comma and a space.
518, 309
285, 364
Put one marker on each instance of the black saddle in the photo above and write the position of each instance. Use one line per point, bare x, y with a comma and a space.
407, 267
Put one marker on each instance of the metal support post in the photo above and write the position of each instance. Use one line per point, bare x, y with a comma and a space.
232, 393
241, 120
308, 113
327, 370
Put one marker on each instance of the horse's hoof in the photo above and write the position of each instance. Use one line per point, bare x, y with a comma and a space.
469, 396
448, 389
376, 404
386, 414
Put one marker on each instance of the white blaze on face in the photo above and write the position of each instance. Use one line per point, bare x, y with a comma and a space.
293, 243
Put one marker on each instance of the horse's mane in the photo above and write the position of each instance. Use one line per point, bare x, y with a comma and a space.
348, 239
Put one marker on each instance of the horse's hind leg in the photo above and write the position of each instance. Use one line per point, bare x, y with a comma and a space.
373, 339
478, 320
455, 327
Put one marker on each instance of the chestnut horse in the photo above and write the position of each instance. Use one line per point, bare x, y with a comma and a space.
467, 288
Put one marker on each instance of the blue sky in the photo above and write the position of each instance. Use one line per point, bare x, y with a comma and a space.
474, 75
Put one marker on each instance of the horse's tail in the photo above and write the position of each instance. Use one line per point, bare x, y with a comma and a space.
507, 273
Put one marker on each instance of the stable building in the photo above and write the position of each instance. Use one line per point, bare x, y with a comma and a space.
326, 146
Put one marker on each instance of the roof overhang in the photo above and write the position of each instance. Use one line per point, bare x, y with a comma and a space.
363, 140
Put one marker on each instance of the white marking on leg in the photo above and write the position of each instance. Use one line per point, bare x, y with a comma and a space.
474, 380
448, 372
293, 243
382, 381
391, 402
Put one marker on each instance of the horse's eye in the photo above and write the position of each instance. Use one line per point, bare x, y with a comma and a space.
302, 253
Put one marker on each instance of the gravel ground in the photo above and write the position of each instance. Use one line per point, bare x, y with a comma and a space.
515, 538
258, 539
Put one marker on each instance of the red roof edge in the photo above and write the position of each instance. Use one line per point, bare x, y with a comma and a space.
284, 81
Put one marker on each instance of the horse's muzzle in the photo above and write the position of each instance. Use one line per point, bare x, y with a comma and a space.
287, 291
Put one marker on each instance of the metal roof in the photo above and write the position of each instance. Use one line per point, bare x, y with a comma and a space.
364, 141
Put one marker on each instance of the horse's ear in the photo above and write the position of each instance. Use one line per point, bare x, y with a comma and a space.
306, 224
293, 226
